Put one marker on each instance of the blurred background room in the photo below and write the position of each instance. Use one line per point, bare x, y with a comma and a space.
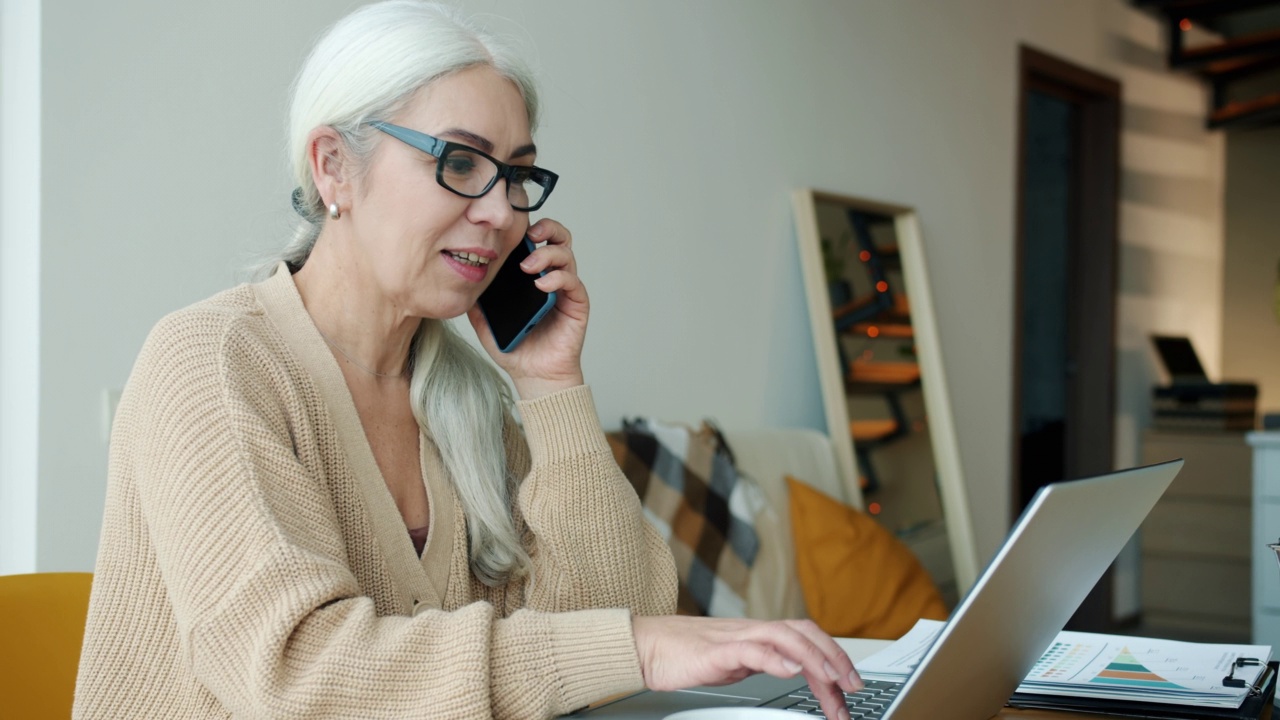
143, 169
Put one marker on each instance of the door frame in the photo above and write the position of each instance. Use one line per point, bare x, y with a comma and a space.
1093, 276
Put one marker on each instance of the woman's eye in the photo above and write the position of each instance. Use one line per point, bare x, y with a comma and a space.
459, 165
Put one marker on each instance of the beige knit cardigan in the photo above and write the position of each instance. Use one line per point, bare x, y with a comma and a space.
253, 563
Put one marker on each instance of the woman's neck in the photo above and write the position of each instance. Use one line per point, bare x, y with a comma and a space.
353, 315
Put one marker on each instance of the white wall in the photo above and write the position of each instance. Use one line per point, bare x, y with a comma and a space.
1251, 305
1171, 241
679, 130
19, 281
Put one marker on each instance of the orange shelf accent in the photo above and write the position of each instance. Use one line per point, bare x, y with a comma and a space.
886, 330
892, 373
872, 430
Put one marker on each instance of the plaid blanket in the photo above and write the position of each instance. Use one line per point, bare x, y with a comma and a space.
695, 497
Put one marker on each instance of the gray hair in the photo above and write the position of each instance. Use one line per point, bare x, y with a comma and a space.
367, 67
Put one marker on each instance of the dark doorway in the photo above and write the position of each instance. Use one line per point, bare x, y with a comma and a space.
1064, 333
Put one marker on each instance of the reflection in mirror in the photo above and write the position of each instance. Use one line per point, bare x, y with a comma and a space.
883, 386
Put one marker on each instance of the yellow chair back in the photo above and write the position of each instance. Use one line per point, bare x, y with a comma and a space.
41, 629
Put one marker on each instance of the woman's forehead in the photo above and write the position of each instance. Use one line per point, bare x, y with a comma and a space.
477, 100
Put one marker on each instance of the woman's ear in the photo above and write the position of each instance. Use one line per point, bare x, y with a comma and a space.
327, 155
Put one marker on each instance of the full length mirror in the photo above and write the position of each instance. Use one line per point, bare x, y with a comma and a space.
882, 377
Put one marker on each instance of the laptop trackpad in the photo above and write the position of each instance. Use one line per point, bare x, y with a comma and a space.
754, 691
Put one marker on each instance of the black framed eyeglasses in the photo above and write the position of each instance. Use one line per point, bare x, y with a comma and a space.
470, 173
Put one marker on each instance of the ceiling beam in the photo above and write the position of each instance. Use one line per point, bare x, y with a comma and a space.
1203, 9
1224, 71
1262, 112
1255, 44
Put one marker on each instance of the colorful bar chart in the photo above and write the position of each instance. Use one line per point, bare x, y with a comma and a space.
1126, 670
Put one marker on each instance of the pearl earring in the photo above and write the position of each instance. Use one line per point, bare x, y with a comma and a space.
334, 212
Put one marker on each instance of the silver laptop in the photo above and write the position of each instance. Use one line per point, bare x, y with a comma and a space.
1052, 558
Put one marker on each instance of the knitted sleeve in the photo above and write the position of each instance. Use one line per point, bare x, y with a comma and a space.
270, 617
590, 544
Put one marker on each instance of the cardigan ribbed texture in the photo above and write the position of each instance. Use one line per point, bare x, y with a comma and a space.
252, 562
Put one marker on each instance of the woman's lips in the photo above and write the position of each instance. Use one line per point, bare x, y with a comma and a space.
471, 273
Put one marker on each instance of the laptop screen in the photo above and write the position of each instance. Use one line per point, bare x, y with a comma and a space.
1179, 358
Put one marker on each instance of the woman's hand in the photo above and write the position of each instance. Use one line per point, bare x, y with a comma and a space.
679, 652
550, 358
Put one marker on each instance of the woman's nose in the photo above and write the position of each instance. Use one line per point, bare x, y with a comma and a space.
493, 208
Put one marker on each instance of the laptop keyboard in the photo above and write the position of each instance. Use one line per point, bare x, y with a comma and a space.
868, 703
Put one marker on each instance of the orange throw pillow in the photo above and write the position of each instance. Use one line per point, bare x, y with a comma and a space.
858, 579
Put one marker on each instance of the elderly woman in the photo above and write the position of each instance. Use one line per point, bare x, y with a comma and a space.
319, 503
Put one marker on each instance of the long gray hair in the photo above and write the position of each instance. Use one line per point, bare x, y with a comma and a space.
367, 67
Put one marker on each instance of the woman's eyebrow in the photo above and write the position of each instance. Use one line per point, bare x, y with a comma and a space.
482, 143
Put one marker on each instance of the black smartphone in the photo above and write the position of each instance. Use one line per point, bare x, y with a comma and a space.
512, 304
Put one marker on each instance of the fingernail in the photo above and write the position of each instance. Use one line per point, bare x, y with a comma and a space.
831, 672
792, 667
855, 681
535, 231
527, 263
843, 713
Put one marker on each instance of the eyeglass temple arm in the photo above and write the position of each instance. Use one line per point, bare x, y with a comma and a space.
424, 142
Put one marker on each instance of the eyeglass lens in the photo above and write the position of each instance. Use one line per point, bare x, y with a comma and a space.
469, 173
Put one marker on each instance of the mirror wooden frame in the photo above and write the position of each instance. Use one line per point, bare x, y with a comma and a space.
954, 500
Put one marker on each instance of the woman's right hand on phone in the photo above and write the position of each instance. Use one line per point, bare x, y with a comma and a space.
679, 652
549, 359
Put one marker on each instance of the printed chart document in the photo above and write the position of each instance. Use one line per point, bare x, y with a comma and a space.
1112, 667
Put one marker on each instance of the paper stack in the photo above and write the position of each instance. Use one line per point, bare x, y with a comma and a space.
1111, 667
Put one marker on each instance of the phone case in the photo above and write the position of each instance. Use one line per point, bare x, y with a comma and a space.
548, 303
